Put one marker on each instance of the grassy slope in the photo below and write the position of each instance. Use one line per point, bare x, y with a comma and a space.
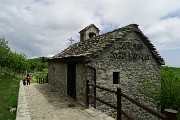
9, 88
176, 71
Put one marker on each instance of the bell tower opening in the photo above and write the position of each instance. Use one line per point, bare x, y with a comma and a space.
92, 34
89, 32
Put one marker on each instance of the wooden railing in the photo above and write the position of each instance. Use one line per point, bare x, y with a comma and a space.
41, 80
170, 114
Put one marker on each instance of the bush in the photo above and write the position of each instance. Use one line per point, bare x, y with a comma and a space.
168, 96
170, 90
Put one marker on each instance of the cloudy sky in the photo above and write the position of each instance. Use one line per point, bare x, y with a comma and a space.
43, 27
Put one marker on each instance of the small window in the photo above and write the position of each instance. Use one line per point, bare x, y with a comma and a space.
115, 77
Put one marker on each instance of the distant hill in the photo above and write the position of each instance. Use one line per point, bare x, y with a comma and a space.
40, 59
38, 64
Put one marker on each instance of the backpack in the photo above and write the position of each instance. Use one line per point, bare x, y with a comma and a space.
28, 77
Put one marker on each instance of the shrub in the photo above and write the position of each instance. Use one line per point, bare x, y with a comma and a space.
168, 96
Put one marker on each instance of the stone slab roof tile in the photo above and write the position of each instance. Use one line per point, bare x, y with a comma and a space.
94, 46
89, 27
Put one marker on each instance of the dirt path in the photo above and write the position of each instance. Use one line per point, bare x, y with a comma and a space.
46, 103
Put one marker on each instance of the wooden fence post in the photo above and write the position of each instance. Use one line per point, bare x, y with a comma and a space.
119, 114
171, 114
94, 88
87, 93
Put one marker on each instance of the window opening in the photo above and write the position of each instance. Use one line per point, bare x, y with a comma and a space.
115, 77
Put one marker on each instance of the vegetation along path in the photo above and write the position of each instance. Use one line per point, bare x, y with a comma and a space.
46, 103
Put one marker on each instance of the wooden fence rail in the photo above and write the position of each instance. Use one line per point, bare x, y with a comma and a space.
41, 80
170, 114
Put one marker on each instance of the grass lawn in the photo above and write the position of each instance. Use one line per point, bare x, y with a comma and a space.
9, 87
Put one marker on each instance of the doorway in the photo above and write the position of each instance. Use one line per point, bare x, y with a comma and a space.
71, 80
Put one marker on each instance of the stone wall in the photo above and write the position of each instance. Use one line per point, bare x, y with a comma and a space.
135, 63
58, 79
83, 73
57, 75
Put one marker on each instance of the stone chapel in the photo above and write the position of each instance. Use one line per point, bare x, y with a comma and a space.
124, 58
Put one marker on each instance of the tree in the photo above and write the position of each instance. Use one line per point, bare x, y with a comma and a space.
4, 51
33, 65
40, 66
17, 62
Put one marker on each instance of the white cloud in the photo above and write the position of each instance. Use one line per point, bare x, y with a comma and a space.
50, 55
165, 33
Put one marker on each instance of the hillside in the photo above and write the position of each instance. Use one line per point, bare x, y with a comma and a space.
175, 70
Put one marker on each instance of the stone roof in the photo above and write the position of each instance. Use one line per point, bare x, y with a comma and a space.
95, 46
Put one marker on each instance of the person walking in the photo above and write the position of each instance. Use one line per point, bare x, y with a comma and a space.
28, 77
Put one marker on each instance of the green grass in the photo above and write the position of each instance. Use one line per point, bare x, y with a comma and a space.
176, 71
9, 87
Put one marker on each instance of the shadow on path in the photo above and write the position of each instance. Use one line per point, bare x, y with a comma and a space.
56, 98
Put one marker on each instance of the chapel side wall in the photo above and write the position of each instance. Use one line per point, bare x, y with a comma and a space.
134, 66
83, 73
57, 75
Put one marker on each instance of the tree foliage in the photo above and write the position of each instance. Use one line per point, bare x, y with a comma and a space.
38, 64
17, 62
11, 60
4, 51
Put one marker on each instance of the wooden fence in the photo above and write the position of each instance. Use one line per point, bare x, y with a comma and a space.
41, 80
170, 114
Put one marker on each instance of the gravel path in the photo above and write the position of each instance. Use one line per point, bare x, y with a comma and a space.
46, 103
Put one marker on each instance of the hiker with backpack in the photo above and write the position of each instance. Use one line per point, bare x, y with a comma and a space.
28, 78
